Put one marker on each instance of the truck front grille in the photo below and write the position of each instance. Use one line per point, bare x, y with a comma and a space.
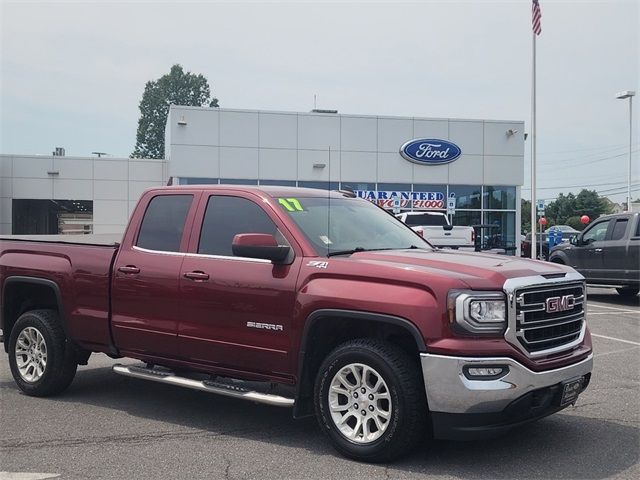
549, 317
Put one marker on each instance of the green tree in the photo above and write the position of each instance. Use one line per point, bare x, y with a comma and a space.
567, 209
178, 88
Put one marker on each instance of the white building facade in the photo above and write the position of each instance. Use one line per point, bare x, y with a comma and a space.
52, 194
479, 162
363, 153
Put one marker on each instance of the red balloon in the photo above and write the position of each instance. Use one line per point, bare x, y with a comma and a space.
585, 219
542, 221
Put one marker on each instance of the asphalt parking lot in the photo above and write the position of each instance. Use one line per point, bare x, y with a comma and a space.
108, 426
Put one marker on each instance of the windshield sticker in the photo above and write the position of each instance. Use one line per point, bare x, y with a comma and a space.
291, 204
318, 264
325, 239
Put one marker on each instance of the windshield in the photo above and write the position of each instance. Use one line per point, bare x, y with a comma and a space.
351, 224
426, 220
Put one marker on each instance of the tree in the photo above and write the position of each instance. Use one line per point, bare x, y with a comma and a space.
567, 209
178, 88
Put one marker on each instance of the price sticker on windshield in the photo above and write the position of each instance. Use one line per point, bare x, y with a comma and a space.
291, 204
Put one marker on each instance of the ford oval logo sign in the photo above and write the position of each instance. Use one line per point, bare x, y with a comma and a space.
430, 151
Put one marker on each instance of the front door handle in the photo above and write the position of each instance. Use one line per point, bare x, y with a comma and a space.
598, 250
197, 276
130, 269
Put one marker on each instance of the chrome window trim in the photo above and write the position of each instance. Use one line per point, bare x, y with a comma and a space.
202, 255
513, 284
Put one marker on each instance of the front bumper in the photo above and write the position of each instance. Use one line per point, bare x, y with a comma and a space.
461, 407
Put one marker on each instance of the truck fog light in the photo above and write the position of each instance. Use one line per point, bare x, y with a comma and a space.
492, 372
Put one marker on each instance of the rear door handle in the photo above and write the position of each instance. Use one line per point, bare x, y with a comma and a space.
197, 276
129, 269
598, 250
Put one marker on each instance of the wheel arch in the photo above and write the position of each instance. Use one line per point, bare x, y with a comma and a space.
558, 257
23, 293
335, 326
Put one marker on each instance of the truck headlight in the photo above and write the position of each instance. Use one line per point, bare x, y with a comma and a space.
477, 313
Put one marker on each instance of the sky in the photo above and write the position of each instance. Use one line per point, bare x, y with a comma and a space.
72, 73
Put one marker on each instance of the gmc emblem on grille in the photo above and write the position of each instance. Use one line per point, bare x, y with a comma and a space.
560, 304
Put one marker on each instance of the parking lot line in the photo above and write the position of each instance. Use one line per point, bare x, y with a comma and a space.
611, 308
603, 354
609, 313
617, 339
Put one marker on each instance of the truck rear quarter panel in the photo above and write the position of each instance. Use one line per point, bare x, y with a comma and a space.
81, 273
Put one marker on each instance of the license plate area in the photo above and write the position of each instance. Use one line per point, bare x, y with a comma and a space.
570, 391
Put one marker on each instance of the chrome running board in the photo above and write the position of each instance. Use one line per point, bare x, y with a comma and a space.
202, 385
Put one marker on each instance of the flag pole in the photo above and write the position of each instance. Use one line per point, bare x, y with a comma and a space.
534, 207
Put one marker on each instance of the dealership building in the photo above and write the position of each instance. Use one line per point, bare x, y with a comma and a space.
401, 162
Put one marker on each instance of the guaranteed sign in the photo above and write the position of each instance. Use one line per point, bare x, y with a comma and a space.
415, 200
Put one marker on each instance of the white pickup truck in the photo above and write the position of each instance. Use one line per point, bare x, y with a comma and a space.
435, 227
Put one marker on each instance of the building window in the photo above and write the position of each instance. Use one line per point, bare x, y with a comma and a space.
394, 187
358, 186
504, 233
282, 183
320, 185
197, 181
430, 188
467, 196
42, 217
237, 181
500, 198
467, 218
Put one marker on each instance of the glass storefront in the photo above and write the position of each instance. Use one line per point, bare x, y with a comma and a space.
494, 207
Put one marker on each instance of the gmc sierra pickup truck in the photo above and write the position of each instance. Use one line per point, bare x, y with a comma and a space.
306, 299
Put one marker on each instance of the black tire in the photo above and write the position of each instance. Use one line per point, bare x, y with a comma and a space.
408, 418
628, 291
60, 365
557, 260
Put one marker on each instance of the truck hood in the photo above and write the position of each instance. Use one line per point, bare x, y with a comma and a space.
476, 270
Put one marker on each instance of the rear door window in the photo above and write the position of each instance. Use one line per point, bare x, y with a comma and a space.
619, 229
163, 223
426, 220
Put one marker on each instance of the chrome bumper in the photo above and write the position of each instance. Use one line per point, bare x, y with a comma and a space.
450, 391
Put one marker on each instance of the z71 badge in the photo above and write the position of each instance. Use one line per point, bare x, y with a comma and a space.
317, 264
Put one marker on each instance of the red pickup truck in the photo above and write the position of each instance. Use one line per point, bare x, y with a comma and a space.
301, 298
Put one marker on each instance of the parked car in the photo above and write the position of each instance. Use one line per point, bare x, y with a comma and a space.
435, 227
320, 302
543, 241
607, 253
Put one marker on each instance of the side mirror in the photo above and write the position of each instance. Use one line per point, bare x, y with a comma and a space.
574, 240
259, 245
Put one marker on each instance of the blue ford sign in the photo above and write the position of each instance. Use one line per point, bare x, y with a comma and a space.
430, 151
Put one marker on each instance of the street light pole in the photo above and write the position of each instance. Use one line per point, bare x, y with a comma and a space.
621, 96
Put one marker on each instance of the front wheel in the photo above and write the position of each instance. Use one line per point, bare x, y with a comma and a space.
41, 361
370, 400
628, 291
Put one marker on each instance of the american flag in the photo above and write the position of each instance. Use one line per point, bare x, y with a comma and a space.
536, 16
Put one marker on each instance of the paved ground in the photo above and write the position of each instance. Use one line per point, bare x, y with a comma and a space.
107, 426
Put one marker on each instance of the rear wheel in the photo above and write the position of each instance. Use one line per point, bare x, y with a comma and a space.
370, 400
41, 361
628, 291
